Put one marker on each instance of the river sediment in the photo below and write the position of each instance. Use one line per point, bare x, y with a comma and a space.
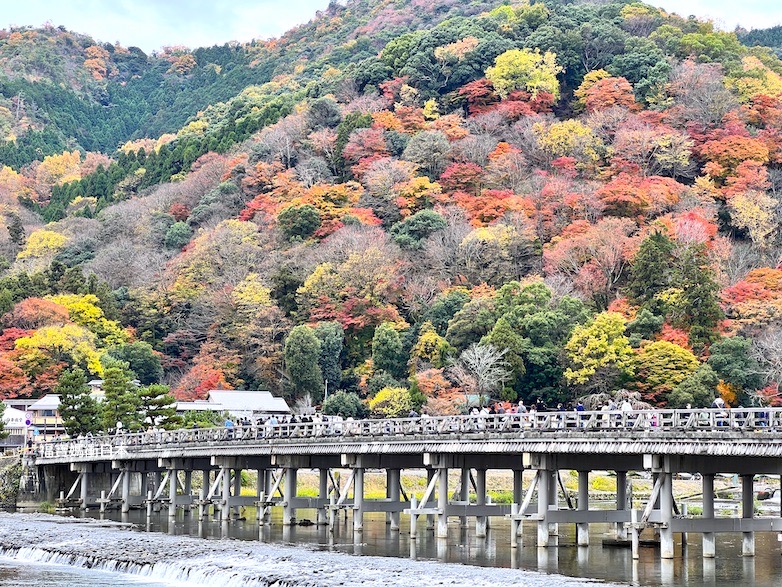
184, 560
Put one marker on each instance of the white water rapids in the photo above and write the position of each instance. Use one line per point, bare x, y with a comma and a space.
185, 560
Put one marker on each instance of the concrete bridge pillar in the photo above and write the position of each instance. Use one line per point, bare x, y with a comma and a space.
125, 490
582, 529
709, 549
518, 494
442, 503
748, 512
358, 499
481, 522
621, 503
85, 484
172, 492
554, 504
237, 509
429, 517
188, 490
225, 485
158, 479
464, 494
666, 514
203, 507
544, 480
289, 489
323, 493
393, 479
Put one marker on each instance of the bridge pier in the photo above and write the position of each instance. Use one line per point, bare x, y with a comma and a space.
393, 491
442, 503
85, 482
464, 495
582, 528
481, 522
358, 499
747, 513
707, 483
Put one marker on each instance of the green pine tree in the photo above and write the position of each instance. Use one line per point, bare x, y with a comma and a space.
80, 412
158, 407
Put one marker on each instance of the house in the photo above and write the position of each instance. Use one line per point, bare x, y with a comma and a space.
46, 422
14, 425
239, 404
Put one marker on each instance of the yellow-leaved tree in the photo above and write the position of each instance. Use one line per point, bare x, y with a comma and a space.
525, 69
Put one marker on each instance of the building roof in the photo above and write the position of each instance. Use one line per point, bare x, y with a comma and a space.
50, 401
249, 401
13, 419
199, 406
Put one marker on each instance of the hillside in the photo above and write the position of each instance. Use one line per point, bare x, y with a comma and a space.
416, 202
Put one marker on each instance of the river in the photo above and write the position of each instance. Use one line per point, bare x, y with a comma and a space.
39, 549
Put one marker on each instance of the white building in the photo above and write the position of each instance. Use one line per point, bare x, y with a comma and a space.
14, 425
239, 404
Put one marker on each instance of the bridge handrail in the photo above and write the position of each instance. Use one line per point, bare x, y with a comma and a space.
607, 422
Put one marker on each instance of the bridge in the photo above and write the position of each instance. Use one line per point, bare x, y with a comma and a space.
156, 470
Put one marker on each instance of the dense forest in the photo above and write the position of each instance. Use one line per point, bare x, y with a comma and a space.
413, 204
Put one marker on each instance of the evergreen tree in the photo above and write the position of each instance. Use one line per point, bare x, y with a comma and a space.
80, 412
121, 399
331, 336
158, 407
699, 307
387, 352
302, 354
16, 232
651, 269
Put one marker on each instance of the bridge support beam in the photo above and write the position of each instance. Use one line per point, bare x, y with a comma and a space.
203, 492
464, 494
747, 513
621, 503
125, 490
666, 514
172, 492
518, 497
393, 490
289, 490
582, 529
442, 504
709, 549
358, 499
85, 483
544, 479
481, 522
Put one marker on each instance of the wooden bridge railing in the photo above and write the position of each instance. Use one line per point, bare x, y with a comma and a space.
608, 423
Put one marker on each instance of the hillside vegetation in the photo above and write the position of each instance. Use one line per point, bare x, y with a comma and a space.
413, 202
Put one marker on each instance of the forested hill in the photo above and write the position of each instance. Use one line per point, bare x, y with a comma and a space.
59, 89
419, 202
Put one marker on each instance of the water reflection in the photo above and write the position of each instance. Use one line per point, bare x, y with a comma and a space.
462, 546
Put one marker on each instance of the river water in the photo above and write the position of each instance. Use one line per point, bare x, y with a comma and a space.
38, 550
